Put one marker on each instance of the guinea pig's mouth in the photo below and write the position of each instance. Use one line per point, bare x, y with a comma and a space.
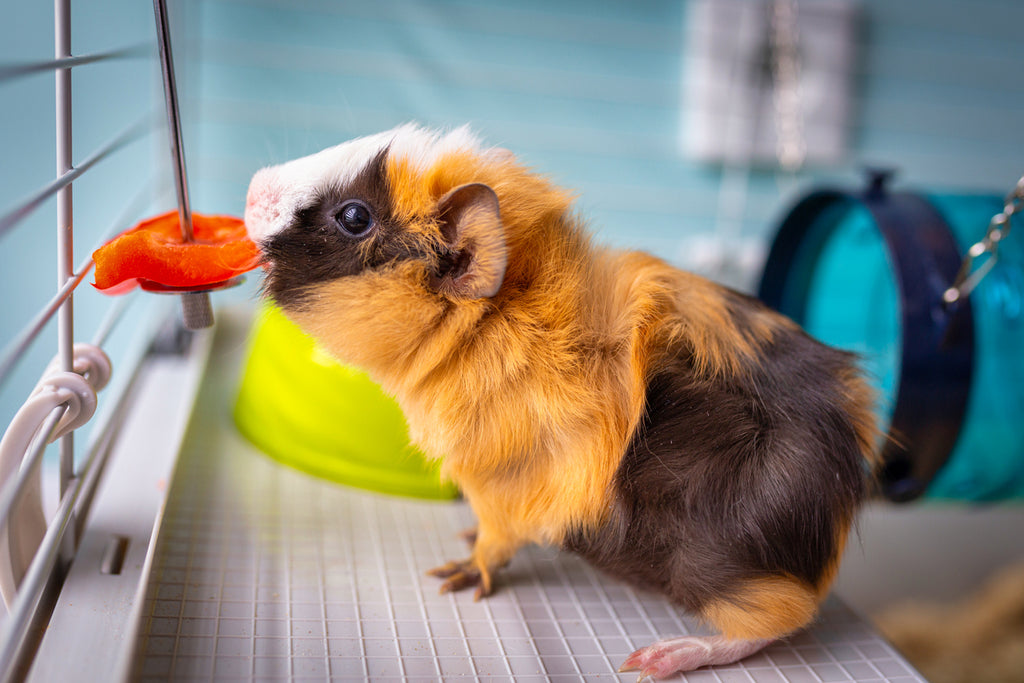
265, 261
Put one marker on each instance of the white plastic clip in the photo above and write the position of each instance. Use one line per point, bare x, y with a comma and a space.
23, 530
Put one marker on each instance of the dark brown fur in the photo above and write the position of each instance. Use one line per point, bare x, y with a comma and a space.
726, 481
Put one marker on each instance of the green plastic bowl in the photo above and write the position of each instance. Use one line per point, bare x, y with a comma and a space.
330, 420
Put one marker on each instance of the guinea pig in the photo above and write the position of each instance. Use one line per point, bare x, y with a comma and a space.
675, 433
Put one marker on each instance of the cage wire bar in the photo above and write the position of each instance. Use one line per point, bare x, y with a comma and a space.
40, 584
65, 230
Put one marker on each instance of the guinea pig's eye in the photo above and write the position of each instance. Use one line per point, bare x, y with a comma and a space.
354, 218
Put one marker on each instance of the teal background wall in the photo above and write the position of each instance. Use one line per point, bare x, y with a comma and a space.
589, 92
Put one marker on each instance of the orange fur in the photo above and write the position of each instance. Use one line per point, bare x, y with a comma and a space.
774, 606
860, 403
769, 607
828, 576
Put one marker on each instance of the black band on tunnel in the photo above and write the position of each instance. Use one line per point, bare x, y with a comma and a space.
937, 345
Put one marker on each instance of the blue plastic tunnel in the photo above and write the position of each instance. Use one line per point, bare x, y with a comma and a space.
865, 271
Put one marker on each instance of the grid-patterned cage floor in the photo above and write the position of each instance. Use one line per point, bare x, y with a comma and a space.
262, 572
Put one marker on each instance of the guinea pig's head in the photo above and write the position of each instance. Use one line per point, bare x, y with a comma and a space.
366, 243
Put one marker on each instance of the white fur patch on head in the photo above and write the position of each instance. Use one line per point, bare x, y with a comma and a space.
276, 193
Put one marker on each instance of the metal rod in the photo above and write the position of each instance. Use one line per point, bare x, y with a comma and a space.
163, 35
13, 71
196, 308
11, 219
110, 320
13, 353
65, 217
14, 350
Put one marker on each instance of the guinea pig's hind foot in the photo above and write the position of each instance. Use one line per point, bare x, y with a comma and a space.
675, 655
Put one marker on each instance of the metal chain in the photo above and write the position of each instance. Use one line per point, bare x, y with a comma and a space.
998, 228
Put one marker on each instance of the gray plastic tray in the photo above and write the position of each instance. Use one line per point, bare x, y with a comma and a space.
263, 572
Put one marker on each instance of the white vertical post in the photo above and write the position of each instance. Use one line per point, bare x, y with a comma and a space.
65, 223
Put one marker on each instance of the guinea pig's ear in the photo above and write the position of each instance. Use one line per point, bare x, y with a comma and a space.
471, 226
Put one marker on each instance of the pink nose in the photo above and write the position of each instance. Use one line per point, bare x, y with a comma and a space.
262, 204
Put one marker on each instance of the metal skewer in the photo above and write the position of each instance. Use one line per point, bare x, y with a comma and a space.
195, 305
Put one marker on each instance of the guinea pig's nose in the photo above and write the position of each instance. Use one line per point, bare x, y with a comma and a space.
262, 204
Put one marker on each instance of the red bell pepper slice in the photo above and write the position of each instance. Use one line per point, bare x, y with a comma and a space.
154, 251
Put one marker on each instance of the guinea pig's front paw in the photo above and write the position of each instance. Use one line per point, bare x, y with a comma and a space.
459, 574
